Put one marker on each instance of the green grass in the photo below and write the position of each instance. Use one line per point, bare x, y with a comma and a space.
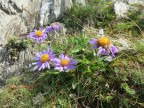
96, 13
100, 13
95, 83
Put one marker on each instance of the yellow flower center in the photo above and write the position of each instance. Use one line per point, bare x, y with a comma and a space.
38, 33
44, 58
64, 62
103, 41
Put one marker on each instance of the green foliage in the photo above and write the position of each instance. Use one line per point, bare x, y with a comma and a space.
15, 98
139, 46
137, 15
94, 83
13, 80
134, 22
124, 26
18, 43
96, 12
127, 89
119, 83
100, 13
14, 46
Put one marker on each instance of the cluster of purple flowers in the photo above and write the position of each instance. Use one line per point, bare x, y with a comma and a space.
105, 47
46, 59
38, 35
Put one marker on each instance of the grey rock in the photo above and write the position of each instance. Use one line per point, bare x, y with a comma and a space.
20, 17
54, 9
124, 44
9, 68
38, 99
81, 2
101, 32
45, 11
17, 17
136, 2
108, 59
121, 7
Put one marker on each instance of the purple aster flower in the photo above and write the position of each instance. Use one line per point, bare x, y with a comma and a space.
52, 27
111, 50
64, 63
104, 46
43, 59
38, 35
94, 43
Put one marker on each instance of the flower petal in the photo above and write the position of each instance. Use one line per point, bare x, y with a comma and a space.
99, 51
